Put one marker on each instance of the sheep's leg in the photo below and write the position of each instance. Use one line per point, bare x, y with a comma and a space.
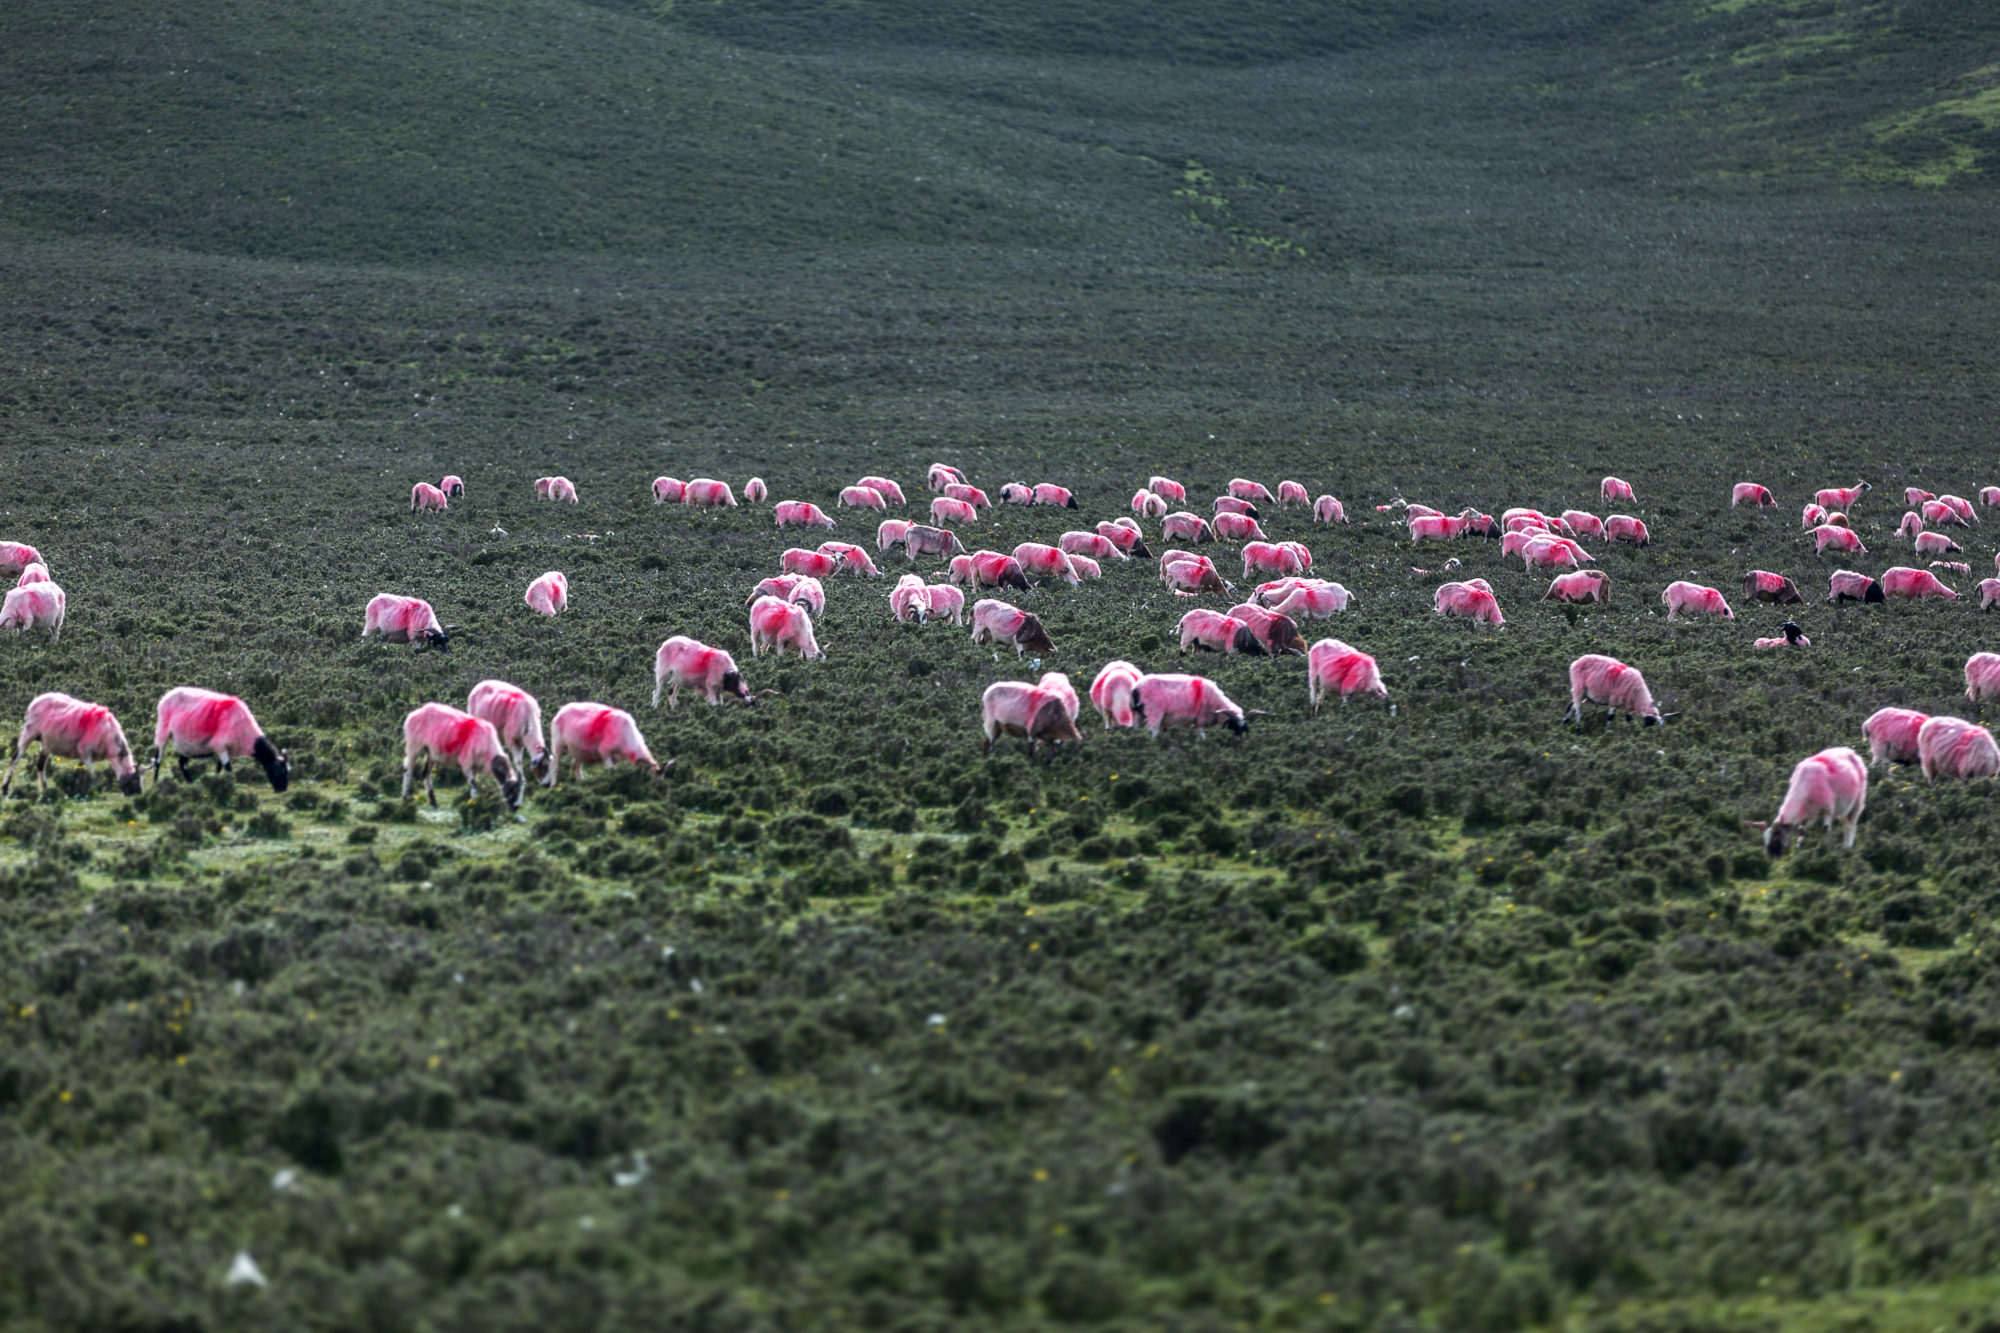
187, 774
409, 762
42, 773
429, 794
19, 750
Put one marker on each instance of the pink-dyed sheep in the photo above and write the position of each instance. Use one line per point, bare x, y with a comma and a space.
708, 493
17, 556
1750, 493
1597, 679
1693, 599
816, 564
1960, 506
1612, 489
1546, 552
1326, 509
1230, 504
1111, 693
72, 729
886, 487
1989, 496
35, 606
1048, 493
852, 558
995, 569
1848, 586
1194, 575
1936, 543
1292, 493
1830, 785
668, 490
1951, 747
1237, 528
1271, 558
1334, 668
36, 572
1912, 585
1278, 632
559, 488
944, 510
516, 716
1046, 562
1218, 633
549, 594
755, 491
920, 540
1827, 536
942, 475
1982, 677
1842, 497
801, 588
452, 486
1989, 594
1625, 528
423, 495
1792, 637
802, 514
891, 532
1812, 516
779, 625
1085, 567
1016, 708
1168, 489
1916, 495
1912, 524
1058, 684
1892, 734
201, 724
1182, 526
404, 620
1313, 599
710, 672
1951, 566
1584, 525
1244, 489
1093, 544
1017, 493
862, 497
942, 599
1941, 514
1186, 701
441, 734
1146, 504
972, 495
996, 621
1761, 585
907, 600
593, 733
1583, 585
1469, 599
1125, 535
1435, 528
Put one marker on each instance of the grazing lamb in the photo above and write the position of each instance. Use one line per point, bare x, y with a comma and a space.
1583, 585
944, 510
1093, 544
994, 569
1250, 490
1186, 701
404, 620
1982, 677
852, 558
1612, 489
1951, 566
816, 564
1471, 599
994, 620
201, 724
423, 495
34, 573
441, 734
942, 475
17, 556
885, 487
1812, 516
1841, 497
1625, 528
1912, 585
1951, 747
1147, 504
779, 625
1790, 636
593, 733
1046, 561
1892, 734
549, 594
1111, 693
1218, 633
708, 493
1278, 632
1989, 594
35, 606
668, 490
1016, 708
1048, 493
1830, 785
1848, 586
710, 672
972, 495
920, 540
517, 718
801, 588
1761, 585
801, 513
1935, 544
862, 497
1584, 525
1017, 493
1845, 540
1168, 489
755, 491
1185, 527
1326, 509
72, 729
891, 532
1750, 493
453, 487
1597, 679
1692, 599
1334, 668
1237, 528
1292, 493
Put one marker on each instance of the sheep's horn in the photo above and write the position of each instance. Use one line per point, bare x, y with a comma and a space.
1257, 712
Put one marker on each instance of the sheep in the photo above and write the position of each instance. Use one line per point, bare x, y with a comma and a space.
755, 491
944, 510
1584, 525
1892, 734
907, 600
669, 490
1950, 747
972, 495
1941, 514
852, 558
942, 475
1830, 785
423, 495
1237, 528
920, 540
1913, 585
516, 716
817, 564
590, 733
1057, 683
1016, 708
441, 734
1291, 493
1960, 506
1989, 594
1847, 586
994, 569
549, 594
35, 606
885, 487
1597, 679
1046, 561
1839, 521
201, 724
800, 513
1936, 543
890, 533
401, 619
780, 625
1243, 489
1313, 599
801, 588
1982, 677
1093, 544
1193, 575
1845, 540
1951, 566
1218, 633
1167, 489
994, 620
1185, 527
1230, 504
1436, 528
862, 497
1048, 493
1625, 528
1912, 524
711, 672
942, 599
1612, 489
1147, 504
1546, 552
1271, 558
1916, 495
1017, 493
1471, 599
17, 556
1278, 632
1111, 693
34, 573
1085, 567
708, 493
1760, 585
1582, 585
1333, 667
1842, 497
1326, 509
1750, 493
453, 486
1989, 496
1693, 599
558, 488
72, 729
1812, 516
1186, 701
1791, 636
542, 485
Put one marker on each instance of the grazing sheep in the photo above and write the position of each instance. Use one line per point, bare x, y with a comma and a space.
1219, 633
72, 729
1612, 490
1913, 585
17, 556
801, 588
1111, 693
1146, 504
945, 510
1326, 509
1847, 586
1253, 491
1168, 489
942, 475
440, 734
592, 733
755, 491
423, 495
1597, 679
1333, 667
1048, 493
39, 605
862, 497
1693, 599
1892, 734
885, 487
516, 716
779, 625
1471, 599
1982, 677
972, 495
801, 513
668, 490
1582, 585
1186, 701
549, 594
1791, 636
1830, 785
401, 619
453, 487
994, 620
920, 540
1750, 493
201, 724
1625, 528
852, 558
708, 493
1760, 585
1950, 747
1842, 497
1935, 544
710, 672
1292, 493
1016, 708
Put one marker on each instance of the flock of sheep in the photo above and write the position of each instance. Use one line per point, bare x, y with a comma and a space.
499, 732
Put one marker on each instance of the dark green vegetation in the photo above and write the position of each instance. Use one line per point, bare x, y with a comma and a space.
1450, 1019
